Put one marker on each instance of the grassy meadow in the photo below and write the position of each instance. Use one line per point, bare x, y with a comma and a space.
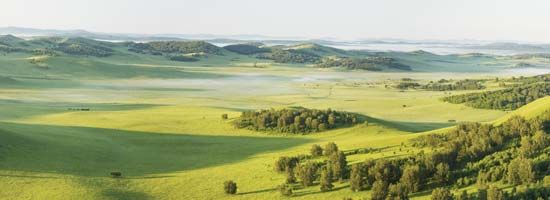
159, 123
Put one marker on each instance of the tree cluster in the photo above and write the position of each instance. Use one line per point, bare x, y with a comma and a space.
290, 56
175, 47
246, 49
372, 63
295, 120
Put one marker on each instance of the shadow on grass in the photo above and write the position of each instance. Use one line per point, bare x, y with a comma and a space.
28, 176
259, 191
95, 152
124, 195
414, 127
304, 193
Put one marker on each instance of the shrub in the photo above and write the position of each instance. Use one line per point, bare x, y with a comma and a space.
230, 187
116, 174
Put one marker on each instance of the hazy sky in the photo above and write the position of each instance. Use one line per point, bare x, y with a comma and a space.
521, 20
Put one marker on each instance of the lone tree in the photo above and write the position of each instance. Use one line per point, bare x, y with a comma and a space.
330, 148
230, 187
326, 179
224, 116
316, 150
441, 194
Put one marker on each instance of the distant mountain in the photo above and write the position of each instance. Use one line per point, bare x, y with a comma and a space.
442, 47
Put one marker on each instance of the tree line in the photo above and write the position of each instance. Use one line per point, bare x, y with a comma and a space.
505, 99
443, 85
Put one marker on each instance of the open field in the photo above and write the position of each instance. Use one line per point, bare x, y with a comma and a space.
65, 128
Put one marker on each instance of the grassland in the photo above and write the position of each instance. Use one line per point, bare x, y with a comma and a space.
159, 123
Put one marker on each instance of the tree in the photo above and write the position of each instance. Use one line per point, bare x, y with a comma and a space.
540, 140
462, 195
398, 191
358, 177
520, 171
411, 178
331, 120
230, 187
441, 194
290, 177
307, 173
285, 162
326, 179
316, 150
495, 194
384, 170
224, 116
322, 127
546, 181
285, 189
482, 193
528, 147
339, 165
330, 148
442, 173
379, 190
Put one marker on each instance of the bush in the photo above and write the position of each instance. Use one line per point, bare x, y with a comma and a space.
230, 187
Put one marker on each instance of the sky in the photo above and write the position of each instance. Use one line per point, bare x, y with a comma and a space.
495, 20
